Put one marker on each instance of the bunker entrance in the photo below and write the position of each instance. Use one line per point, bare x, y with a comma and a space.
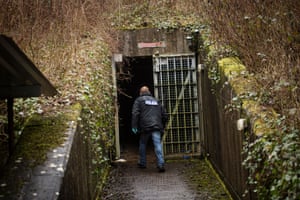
173, 80
136, 72
167, 63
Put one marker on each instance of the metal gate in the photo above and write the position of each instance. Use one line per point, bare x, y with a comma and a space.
175, 84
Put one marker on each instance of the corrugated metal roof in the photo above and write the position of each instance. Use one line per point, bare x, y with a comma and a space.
19, 77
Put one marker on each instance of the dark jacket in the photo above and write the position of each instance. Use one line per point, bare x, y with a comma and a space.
148, 114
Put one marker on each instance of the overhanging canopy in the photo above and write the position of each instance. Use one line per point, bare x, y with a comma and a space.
19, 77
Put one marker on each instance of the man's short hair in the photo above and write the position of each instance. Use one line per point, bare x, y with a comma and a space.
144, 90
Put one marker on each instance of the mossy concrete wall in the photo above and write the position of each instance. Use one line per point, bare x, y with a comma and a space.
80, 180
76, 180
246, 88
226, 98
67, 171
52, 160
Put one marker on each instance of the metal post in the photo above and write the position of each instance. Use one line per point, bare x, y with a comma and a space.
117, 134
10, 118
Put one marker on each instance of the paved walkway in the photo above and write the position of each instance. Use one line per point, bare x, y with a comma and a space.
183, 180
179, 182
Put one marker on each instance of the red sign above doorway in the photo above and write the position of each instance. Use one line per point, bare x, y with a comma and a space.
151, 44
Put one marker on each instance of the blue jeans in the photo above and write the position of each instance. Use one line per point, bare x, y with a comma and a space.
156, 137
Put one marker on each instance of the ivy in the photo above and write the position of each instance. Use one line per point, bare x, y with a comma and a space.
272, 159
273, 162
98, 109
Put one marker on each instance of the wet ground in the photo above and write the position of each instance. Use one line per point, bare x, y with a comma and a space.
184, 179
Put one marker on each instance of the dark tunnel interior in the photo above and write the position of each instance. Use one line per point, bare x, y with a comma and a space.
140, 71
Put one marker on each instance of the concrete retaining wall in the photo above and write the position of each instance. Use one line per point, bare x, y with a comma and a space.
76, 180
221, 111
80, 180
67, 172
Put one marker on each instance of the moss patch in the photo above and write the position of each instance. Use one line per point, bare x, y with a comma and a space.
203, 178
237, 75
231, 66
41, 134
246, 88
44, 133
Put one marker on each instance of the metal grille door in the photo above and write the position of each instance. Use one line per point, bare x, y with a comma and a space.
175, 84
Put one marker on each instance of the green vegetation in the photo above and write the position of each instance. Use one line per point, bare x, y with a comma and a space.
43, 133
156, 14
71, 42
203, 177
264, 35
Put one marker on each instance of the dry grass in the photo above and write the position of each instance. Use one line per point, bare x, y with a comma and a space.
70, 42
266, 35
67, 40
57, 36
50, 31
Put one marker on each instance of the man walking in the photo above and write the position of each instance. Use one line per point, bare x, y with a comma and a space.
149, 119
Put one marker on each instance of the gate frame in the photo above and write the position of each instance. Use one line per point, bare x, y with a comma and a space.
198, 114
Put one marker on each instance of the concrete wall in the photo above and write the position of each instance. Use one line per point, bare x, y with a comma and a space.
76, 180
79, 181
65, 168
67, 173
223, 142
147, 42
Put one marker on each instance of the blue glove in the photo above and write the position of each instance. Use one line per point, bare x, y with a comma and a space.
134, 130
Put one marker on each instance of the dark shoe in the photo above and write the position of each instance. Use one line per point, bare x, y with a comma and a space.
161, 169
141, 166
